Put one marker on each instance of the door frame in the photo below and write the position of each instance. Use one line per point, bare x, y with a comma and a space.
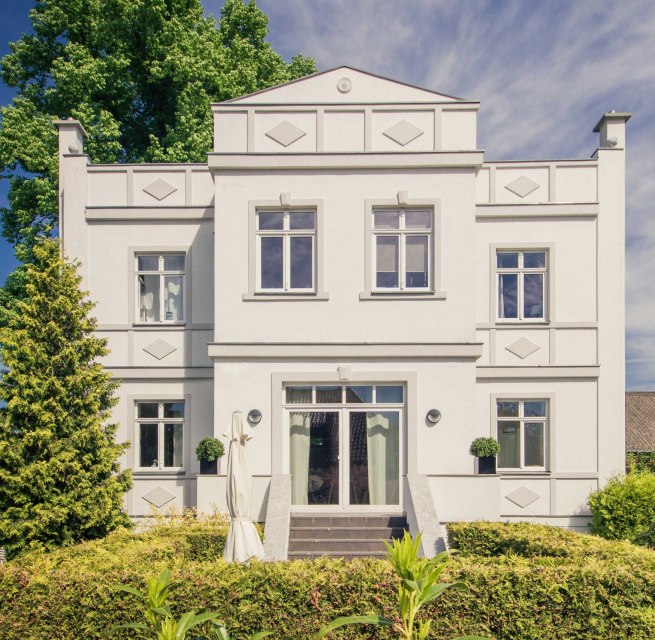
343, 412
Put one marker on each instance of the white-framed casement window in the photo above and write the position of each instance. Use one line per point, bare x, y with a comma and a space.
160, 280
286, 251
521, 427
160, 435
402, 249
522, 280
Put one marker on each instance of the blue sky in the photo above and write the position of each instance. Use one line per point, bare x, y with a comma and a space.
543, 71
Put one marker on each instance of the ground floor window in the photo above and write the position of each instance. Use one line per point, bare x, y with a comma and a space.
345, 444
160, 434
521, 430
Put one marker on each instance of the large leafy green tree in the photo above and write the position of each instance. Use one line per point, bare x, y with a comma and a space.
59, 476
138, 74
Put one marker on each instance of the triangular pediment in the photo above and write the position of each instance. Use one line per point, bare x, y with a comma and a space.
344, 85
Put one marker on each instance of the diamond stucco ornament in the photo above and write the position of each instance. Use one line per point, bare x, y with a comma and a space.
160, 189
522, 497
403, 132
522, 348
159, 497
286, 133
522, 186
159, 348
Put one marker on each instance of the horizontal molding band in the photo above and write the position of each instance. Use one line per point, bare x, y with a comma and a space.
561, 520
522, 476
582, 475
243, 104
125, 213
546, 209
391, 351
154, 327
552, 162
255, 161
161, 373
148, 167
526, 373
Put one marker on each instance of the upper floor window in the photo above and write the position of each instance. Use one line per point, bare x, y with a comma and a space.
521, 281
160, 434
160, 287
286, 251
402, 249
521, 430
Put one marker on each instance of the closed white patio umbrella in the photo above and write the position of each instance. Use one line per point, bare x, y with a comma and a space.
243, 541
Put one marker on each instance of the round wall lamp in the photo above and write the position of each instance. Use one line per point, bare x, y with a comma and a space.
433, 416
254, 416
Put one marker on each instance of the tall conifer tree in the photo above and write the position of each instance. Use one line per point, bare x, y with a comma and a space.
60, 481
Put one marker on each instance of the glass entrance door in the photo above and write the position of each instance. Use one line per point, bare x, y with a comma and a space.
373, 458
342, 456
315, 457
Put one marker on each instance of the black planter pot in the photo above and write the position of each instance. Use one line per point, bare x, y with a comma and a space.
209, 467
487, 465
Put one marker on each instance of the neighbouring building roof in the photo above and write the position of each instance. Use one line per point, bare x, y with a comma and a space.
640, 421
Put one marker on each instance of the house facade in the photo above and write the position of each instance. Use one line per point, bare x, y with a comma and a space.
349, 272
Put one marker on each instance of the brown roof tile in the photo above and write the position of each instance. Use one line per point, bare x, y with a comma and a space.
640, 421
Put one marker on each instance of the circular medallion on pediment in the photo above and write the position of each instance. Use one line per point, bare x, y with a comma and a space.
344, 85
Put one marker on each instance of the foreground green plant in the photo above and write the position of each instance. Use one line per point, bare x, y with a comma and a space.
418, 586
160, 619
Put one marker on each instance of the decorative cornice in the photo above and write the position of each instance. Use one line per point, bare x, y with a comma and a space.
344, 350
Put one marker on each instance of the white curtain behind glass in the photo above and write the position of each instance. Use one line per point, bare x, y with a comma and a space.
376, 427
173, 298
149, 298
299, 423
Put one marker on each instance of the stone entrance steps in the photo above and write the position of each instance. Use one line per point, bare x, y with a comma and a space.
344, 536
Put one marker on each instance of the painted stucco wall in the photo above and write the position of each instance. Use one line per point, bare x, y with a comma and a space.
345, 316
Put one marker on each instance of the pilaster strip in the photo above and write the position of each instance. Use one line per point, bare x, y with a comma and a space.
130, 186
492, 184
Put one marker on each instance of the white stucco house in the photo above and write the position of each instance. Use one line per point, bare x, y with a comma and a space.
346, 262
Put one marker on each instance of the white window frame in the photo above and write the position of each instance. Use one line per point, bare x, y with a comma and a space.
435, 291
521, 271
160, 421
402, 233
521, 419
286, 233
162, 273
284, 203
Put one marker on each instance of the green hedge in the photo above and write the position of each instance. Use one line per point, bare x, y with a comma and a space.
495, 539
624, 508
525, 582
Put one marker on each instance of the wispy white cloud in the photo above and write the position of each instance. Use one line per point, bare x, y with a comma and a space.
544, 73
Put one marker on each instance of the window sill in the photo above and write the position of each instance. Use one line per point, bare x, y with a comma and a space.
284, 296
158, 326
400, 295
520, 473
522, 323
158, 472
